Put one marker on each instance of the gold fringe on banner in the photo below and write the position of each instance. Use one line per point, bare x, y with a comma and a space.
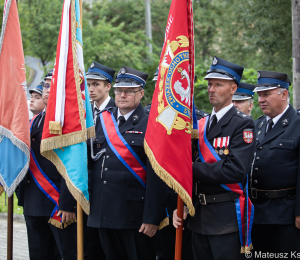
57, 142
164, 223
1, 190
61, 225
169, 180
76, 193
55, 128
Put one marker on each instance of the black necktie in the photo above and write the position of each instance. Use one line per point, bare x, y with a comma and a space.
121, 121
214, 121
270, 124
96, 111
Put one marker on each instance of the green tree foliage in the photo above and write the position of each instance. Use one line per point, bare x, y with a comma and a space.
40, 24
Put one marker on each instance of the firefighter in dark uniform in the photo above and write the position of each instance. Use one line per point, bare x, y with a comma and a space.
99, 80
243, 98
216, 233
126, 208
275, 175
45, 240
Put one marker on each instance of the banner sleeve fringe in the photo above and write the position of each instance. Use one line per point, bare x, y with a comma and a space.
169, 180
1, 190
246, 249
60, 225
76, 193
61, 141
55, 128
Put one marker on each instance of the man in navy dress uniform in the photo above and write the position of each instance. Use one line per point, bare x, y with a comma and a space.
99, 80
243, 98
275, 175
45, 240
216, 233
127, 198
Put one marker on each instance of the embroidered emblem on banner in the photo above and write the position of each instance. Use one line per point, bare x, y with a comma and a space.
248, 136
175, 85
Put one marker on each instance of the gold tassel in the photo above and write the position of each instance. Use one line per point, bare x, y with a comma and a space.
55, 128
90, 132
195, 134
164, 223
60, 225
169, 180
246, 249
1, 190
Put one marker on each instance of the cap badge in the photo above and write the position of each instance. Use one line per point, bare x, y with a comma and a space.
123, 71
215, 61
92, 65
258, 75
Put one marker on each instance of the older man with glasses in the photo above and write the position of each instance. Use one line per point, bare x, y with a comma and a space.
127, 197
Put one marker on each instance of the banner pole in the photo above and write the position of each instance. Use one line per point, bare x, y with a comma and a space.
178, 243
10, 210
80, 247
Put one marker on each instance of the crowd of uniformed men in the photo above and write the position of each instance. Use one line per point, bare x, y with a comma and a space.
125, 216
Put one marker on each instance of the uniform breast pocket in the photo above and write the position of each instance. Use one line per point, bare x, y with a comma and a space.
281, 151
134, 205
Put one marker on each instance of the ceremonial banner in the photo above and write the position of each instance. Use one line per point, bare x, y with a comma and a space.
168, 136
69, 120
14, 116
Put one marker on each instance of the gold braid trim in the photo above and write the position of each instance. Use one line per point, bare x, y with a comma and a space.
60, 225
76, 68
246, 249
1, 190
57, 142
90, 132
169, 180
76, 193
164, 223
55, 128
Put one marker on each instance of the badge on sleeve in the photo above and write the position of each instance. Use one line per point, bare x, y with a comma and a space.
248, 136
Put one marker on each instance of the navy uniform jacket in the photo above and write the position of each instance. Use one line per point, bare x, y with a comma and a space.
35, 201
276, 167
220, 218
118, 199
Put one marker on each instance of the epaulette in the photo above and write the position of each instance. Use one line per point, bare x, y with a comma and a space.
241, 114
200, 113
147, 109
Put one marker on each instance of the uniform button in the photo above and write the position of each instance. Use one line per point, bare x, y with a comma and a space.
143, 198
255, 181
280, 144
257, 158
132, 142
107, 156
104, 182
28, 181
256, 169
260, 148
105, 169
32, 139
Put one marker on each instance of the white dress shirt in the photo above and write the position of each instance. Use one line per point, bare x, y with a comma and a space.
125, 116
220, 113
276, 118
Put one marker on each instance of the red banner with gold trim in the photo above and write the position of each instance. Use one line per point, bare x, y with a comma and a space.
168, 135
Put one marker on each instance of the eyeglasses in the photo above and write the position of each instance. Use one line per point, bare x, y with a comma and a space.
47, 86
126, 92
